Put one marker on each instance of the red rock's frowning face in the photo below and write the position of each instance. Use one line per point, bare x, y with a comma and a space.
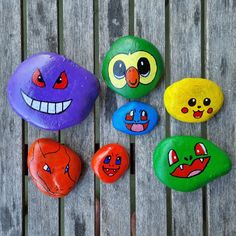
55, 168
110, 162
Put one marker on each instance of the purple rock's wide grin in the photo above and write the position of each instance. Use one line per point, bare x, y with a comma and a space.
46, 107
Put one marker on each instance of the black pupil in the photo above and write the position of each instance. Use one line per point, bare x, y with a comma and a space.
119, 69
40, 79
192, 102
143, 66
207, 101
59, 80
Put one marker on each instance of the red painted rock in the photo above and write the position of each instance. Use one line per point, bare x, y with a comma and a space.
110, 162
54, 168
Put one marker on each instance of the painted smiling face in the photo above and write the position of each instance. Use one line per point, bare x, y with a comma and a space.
132, 67
193, 99
110, 162
52, 92
186, 163
54, 168
135, 118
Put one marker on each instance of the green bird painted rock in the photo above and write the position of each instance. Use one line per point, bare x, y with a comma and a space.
186, 163
132, 67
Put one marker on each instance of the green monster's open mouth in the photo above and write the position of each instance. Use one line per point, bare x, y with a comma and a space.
188, 171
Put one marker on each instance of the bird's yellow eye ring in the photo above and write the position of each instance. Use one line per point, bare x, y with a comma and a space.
143, 61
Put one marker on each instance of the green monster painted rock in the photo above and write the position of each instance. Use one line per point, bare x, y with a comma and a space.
186, 163
132, 67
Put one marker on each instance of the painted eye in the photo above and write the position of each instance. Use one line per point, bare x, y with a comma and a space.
38, 79
143, 66
107, 160
207, 101
173, 158
47, 168
118, 160
66, 169
200, 149
61, 82
192, 102
130, 115
119, 69
144, 115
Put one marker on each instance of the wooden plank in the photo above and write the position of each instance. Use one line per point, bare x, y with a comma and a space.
221, 67
79, 206
11, 174
115, 198
151, 218
43, 211
185, 61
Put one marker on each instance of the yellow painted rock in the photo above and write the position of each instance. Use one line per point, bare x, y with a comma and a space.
193, 99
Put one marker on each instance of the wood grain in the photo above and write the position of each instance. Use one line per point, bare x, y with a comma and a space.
221, 68
115, 198
11, 173
78, 45
151, 212
185, 61
43, 211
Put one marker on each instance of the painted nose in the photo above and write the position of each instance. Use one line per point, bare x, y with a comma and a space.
132, 77
198, 106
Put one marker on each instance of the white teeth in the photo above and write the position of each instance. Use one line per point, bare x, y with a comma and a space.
66, 104
201, 159
36, 105
181, 167
27, 99
46, 107
51, 108
59, 107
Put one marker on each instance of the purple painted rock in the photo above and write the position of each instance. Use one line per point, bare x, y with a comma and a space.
52, 92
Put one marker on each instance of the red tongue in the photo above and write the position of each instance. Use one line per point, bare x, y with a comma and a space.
197, 114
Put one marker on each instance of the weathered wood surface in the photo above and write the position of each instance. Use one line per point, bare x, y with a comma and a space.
78, 45
178, 30
115, 198
221, 67
11, 172
150, 193
41, 20
185, 61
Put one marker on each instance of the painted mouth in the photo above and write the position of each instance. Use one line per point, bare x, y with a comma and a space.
137, 127
188, 171
197, 114
46, 107
110, 171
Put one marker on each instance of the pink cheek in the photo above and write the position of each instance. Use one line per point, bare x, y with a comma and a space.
184, 110
209, 110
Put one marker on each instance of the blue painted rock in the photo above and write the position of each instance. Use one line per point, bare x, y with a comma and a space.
135, 118
186, 163
52, 92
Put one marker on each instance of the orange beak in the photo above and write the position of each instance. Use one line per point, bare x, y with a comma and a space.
132, 77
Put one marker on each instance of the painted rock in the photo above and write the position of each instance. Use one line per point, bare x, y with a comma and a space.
132, 67
186, 163
135, 118
193, 99
52, 92
110, 162
54, 168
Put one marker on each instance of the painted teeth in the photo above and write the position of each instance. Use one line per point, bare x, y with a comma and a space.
201, 159
46, 107
181, 167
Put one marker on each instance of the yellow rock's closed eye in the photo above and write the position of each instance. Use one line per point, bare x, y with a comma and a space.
193, 99
132, 69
